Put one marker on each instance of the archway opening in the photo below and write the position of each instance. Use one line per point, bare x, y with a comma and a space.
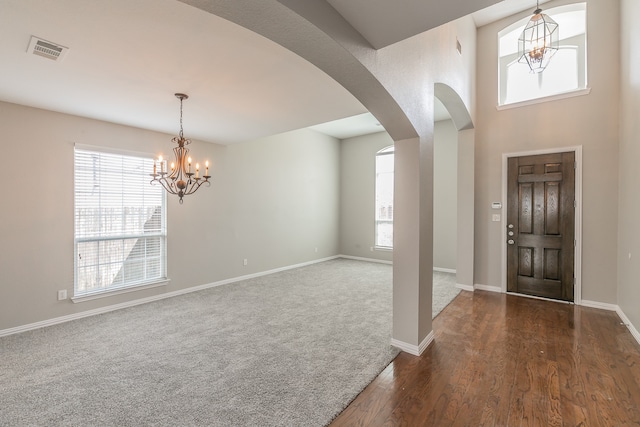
453, 216
445, 211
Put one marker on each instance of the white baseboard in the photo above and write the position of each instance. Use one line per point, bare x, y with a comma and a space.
600, 305
412, 349
464, 287
114, 307
382, 261
628, 324
357, 258
618, 310
487, 288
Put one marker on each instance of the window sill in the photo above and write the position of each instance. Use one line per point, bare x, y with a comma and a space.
382, 248
118, 291
571, 94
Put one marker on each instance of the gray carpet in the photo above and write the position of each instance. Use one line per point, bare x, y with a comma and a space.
444, 291
288, 349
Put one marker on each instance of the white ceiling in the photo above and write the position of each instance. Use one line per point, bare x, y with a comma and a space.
127, 58
503, 9
384, 22
366, 123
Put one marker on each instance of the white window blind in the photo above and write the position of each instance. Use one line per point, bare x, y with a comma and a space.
120, 223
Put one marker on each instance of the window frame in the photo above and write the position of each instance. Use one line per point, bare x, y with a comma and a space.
139, 236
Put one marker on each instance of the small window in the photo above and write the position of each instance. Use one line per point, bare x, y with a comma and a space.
567, 70
384, 198
120, 223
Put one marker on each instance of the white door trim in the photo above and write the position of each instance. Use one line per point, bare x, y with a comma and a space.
577, 266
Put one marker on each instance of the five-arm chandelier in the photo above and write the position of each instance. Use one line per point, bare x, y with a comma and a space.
180, 179
539, 41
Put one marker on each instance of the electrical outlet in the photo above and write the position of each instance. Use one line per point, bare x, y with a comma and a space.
245, 262
62, 295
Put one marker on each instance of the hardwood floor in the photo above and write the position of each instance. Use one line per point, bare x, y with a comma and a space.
503, 360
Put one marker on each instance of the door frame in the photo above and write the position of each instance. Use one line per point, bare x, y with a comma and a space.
577, 264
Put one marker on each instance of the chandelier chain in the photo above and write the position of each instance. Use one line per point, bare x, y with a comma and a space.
181, 134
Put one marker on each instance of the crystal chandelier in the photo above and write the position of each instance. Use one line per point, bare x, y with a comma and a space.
539, 41
180, 180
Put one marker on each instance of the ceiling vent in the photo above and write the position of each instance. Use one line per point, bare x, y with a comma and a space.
46, 49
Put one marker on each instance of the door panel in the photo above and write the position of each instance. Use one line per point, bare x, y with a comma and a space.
540, 225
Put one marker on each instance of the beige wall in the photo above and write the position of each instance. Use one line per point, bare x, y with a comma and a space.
629, 194
590, 121
272, 201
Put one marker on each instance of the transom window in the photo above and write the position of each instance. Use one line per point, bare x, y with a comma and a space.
384, 198
567, 70
120, 223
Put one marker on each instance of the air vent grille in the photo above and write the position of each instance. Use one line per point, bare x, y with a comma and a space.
46, 49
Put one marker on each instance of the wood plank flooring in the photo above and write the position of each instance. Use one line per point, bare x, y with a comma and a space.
503, 360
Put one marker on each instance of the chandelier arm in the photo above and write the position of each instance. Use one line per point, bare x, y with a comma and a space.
195, 185
168, 186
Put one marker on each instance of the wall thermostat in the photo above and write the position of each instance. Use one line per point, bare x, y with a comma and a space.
496, 205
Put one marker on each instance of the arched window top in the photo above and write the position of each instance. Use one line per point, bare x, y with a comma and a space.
386, 150
566, 71
571, 20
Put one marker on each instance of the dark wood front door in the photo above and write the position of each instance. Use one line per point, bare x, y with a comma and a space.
540, 225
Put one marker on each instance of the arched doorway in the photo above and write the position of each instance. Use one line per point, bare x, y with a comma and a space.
391, 84
465, 183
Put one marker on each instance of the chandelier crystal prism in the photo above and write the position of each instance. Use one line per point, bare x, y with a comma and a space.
179, 179
539, 41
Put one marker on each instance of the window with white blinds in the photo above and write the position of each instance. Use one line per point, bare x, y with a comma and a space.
120, 223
